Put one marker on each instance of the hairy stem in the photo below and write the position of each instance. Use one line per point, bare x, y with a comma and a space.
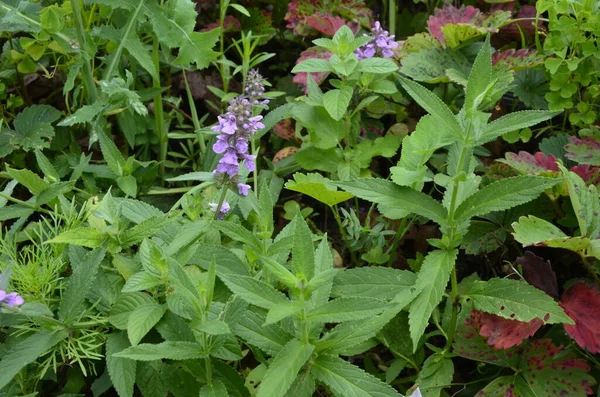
336, 215
159, 114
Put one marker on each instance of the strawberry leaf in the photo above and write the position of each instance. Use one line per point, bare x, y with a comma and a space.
582, 303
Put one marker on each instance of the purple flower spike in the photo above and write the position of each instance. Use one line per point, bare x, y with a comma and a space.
243, 189
381, 44
223, 211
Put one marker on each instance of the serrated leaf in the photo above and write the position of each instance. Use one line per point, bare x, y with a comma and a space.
514, 121
214, 327
269, 338
141, 281
375, 282
170, 350
345, 379
430, 284
303, 256
239, 233
83, 236
46, 166
84, 114
26, 351
144, 229
479, 78
515, 300
29, 179
347, 309
216, 388
111, 154
253, 291
280, 272
121, 370
318, 187
395, 201
336, 102
284, 368
377, 65
196, 47
284, 310
142, 320
313, 65
503, 194
33, 128
532, 230
125, 304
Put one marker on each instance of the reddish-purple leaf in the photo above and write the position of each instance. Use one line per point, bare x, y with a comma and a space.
230, 24
502, 333
308, 17
531, 164
583, 151
325, 23
582, 303
589, 174
518, 59
310, 53
470, 344
538, 273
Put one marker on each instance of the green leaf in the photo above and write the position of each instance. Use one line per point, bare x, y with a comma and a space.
72, 304
336, 102
111, 154
83, 236
196, 47
313, 65
433, 105
241, 9
431, 284
318, 187
121, 370
26, 351
269, 338
586, 205
515, 300
216, 388
150, 379
345, 379
324, 131
504, 194
284, 310
46, 167
284, 368
125, 304
29, 179
253, 291
239, 233
395, 201
349, 334
532, 230
437, 373
479, 78
280, 272
514, 121
142, 319
84, 114
141, 281
303, 255
143, 230
170, 350
33, 128
214, 327
434, 65
347, 309
377, 65
128, 184
372, 282
303, 386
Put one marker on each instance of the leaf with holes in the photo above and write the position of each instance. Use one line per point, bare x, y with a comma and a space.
502, 333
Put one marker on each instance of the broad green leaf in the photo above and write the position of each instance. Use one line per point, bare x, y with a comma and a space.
239, 233
121, 370
26, 351
349, 334
252, 329
586, 205
514, 121
433, 105
345, 379
431, 284
83, 236
46, 166
395, 201
313, 65
143, 230
196, 47
128, 184
141, 281
347, 309
532, 230
125, 304
284, 310
372, 282
318, 187
214, 327
170, 350
150, 379
303, 255
515, 300
33, 128
73, 304
142, 319
216, 388
29, 179
227, 262
377, 65
504, 194
479, 78
284, 368
324, 131
437, 373
280, 272
303, 386
84, 114
113, 157
435, 65
336, 102
253, 291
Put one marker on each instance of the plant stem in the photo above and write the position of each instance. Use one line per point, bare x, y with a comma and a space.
117, 54
454, 318
194, 113
336, 215
221, 200
392, 16
28, 205
159, 115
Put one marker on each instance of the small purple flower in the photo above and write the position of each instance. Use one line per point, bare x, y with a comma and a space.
11, 300
255, 88
243, 189
380, 45
224, 208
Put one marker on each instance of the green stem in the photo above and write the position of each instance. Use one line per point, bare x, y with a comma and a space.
159, 114
336, 215
117, 54
454, 318
194, 113
392, 16
10, 8
221, 200
28, 205
403, 228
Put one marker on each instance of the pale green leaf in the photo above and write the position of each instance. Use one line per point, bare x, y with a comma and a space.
170, 350
347, 309
514, 121
336, 102
313, 65
29, 179
125, 304
253, 291
196, 47
216, 388
284, 310
280, 272
318, 187
375, 282
377, 65
269, 338
142, 319
83, 236
121, 370
479, 78
214, 327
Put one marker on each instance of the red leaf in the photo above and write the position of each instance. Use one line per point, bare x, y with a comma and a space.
230, 24
502, 333
531, 164
538, 273
582, 303
518, 59
310, 53
325, 23
451, 14
590, 175
307, 17
583, 151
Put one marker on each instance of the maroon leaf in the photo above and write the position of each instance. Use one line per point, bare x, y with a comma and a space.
531, 164
518, 59
583, 151
230, 24
589, 174
308, 17
582, 303
310, 53
538, 273
527, 13
502, 333
325, 23
450, 14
